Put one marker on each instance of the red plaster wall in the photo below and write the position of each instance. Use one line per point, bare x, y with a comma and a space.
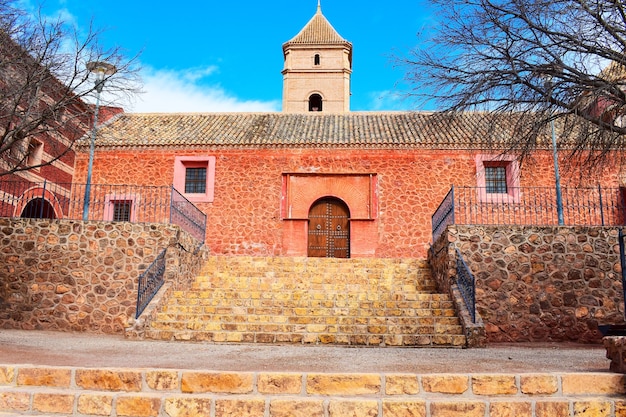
245, 218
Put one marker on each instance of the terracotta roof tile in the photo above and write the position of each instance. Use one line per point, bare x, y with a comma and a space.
341, 130
318, 31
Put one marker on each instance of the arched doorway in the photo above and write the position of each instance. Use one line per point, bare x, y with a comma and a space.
38, 208
329, 229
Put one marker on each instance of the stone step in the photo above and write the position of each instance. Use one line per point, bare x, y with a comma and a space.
447, 341
310, 301
309, 328
199, 305
422, 286
256, 271
234, 315
362, 295
47, 391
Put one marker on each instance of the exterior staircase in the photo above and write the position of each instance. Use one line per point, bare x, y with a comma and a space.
365, 302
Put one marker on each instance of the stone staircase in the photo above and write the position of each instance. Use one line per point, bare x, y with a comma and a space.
365, 302
88, 392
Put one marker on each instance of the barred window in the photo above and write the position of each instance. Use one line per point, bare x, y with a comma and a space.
195, 180
194, 177
122, 210
495, 179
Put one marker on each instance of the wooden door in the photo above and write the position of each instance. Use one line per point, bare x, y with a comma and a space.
329, 229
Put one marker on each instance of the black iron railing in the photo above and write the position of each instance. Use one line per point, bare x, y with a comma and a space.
131, 203
150, 282
467, 285
529, 206
622, 259
444, 215
187, 216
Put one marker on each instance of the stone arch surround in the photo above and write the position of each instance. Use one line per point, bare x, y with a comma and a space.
39, 192
358, 191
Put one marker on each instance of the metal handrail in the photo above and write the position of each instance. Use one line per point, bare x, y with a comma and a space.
622, 259
132, 203
529, 206
150, 282
444, 215
185, 214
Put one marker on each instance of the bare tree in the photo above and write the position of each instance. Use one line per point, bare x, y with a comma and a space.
536, 62
44, 80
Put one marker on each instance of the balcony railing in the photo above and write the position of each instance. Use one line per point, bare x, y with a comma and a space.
529, 206
131, 203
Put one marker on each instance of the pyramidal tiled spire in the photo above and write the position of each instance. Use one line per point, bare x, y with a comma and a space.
318, 31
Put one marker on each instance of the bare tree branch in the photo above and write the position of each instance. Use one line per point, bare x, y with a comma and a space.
542, 61
44, 82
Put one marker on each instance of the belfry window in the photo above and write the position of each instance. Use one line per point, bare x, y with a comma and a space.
316, 59
315, 102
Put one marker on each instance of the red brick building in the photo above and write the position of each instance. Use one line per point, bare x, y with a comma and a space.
40, 119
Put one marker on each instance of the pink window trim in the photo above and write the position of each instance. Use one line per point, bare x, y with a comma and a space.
111, 199
181, 163
512, 178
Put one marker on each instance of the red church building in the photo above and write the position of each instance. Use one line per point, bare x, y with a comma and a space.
317, 179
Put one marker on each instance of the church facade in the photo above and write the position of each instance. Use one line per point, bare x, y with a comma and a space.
317, 179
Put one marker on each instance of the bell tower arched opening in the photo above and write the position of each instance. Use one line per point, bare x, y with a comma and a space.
315, 102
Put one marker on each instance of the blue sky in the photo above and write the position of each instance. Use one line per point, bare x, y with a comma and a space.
204, 56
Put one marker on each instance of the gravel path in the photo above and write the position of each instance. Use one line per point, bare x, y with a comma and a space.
84, 350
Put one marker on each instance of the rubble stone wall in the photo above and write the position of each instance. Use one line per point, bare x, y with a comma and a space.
245, 216
82, 276
538, 284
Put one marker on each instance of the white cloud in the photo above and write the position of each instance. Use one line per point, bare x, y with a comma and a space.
388, 100
182, 91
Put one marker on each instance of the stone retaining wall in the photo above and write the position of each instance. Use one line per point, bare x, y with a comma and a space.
537, 284
82, 276
170, 392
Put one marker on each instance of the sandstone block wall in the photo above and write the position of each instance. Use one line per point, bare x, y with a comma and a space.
82, 276
538, 284
168, 393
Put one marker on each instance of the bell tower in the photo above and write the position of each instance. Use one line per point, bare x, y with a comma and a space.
318, 65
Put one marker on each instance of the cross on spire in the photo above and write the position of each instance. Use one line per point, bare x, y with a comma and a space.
319, 6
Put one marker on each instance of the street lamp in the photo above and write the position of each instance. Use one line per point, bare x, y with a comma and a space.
101, 69
555, 157
557, 176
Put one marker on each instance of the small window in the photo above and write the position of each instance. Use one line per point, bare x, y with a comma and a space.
495, 179
121, 207
315, 102
194, 177
35, 153
316, 60
122, 210
195, 180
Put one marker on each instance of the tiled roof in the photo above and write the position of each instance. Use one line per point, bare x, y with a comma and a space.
318, 31
381, 130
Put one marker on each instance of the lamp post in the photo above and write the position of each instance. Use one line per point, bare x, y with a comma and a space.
555, 157
557, 176
101, 69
